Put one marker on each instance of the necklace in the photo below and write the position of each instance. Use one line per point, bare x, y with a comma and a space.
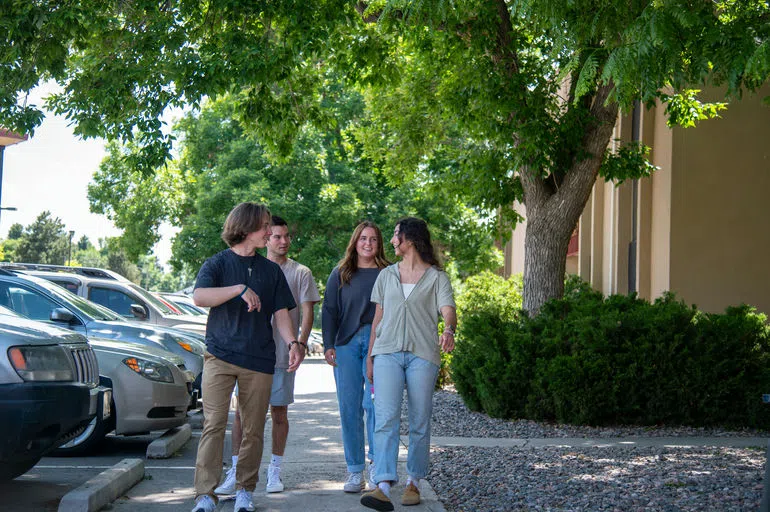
251, 267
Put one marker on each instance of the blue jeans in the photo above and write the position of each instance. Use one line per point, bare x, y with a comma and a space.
354, 398
391, 373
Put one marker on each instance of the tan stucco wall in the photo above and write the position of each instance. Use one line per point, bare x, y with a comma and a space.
703, 217
660, 205
514, 249
720, 212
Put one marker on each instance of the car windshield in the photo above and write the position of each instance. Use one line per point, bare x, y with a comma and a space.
86, 307
188, 309
152, 300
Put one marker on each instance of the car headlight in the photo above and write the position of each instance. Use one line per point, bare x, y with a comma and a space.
42, 364
190, 347
149, 370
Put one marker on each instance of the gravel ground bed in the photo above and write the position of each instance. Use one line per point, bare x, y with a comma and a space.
587, 479
451, 418
600, 479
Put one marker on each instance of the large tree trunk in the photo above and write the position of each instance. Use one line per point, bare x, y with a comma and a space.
545, 260
553, 212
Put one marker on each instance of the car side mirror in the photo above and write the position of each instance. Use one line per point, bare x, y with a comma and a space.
62, 315
139, 311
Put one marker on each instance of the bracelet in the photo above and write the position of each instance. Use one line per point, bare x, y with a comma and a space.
303, 345
450, 329
244, 290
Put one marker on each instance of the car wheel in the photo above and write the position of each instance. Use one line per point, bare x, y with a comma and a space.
89, 438
12, 469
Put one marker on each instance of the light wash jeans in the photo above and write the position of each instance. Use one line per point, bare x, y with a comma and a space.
391, 373
354, 399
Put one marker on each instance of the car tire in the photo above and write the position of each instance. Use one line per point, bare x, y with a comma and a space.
90, 438
11, 469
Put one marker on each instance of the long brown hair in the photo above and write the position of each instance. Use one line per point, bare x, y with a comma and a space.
349, 264
416, 231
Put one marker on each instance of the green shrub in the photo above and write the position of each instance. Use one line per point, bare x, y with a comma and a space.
486, 306
586, 359
444, 378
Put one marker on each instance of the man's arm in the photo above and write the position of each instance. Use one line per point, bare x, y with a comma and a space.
306, 321
282, 320
212, 297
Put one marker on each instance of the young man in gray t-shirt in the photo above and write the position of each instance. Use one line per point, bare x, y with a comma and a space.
305, 292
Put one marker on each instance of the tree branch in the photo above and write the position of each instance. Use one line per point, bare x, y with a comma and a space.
507, 54
582, 175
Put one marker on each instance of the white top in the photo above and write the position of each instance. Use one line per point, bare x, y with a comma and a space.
408, 289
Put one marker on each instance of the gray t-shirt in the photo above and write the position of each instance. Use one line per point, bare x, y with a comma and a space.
303, 289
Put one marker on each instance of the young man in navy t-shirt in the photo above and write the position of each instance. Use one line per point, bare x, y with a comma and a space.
244, 292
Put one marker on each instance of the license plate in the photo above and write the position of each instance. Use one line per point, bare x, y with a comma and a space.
106, 404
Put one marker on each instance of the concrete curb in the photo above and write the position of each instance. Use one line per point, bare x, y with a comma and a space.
104, 488
430, 498
195, 419
580, 442
167, 444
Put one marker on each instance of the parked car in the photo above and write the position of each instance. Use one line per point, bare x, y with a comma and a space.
315, 343
42, 300
185, 303
151, 390
115, 292
49, 391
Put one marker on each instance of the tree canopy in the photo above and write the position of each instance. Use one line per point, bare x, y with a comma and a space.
495, 100
43, 241
322, 189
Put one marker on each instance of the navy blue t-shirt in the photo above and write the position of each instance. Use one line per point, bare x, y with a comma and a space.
233, 334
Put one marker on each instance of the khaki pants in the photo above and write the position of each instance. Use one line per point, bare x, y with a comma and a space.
219, 380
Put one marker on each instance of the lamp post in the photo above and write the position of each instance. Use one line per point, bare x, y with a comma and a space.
69, 254
7, 138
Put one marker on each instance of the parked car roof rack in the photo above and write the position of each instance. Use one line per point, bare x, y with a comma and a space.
83, 271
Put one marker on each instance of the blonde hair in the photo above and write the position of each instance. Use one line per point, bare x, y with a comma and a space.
348, 265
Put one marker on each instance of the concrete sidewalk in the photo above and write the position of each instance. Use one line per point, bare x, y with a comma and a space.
313, 468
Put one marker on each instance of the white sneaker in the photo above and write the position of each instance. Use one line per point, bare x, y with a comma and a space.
228, 486
243, 501
370, 477
354, 482
274, 483
204, 503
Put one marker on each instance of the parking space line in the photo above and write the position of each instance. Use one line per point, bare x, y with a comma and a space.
106, 467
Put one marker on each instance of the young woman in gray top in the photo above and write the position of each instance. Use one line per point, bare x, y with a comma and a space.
404, 352
346, 319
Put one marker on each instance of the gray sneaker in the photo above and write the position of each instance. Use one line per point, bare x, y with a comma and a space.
274, 483
243, 501
204, 503
228, 486
354, 482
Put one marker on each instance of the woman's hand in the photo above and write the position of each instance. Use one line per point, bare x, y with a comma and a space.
370, 369
331, 357
447, 341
